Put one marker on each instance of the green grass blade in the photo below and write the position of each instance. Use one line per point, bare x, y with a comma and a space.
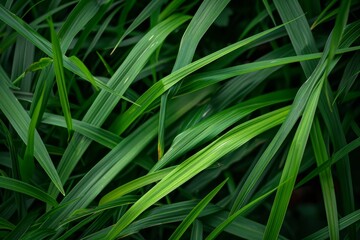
60, 78
146, 12
25, 188
197, 231
116, 160
185, 224
326, 180
80, 65
22, 227
20, 120
102, 136
122, 122
120, 81
202, 80
344, 222
206, 14
27, 166
214, 125
339, 155
198, 162
292, 165
135, 184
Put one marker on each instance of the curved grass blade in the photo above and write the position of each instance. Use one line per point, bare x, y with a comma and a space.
20, 120
326, 180
339, 155
80, 65
214, 125
117, 159
344, 222
185, 224
292, 165
124, 121
198, 162
27, 165
135, 184
145, 13
120, 81
60, 78
206, 14
102, 136
25, 188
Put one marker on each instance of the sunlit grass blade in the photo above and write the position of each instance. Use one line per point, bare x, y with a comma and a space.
108, 167
120, 81
135, 184
214, 125
122, 122
195, 213
198, 162
206, 14
326, 180
25, 188
60, 78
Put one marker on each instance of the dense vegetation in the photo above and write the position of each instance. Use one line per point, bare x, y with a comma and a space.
171, 119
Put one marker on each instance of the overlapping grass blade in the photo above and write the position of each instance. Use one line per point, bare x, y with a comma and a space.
60, 78
169, 213
214, 125
292, 165
195, 212
344, 222
135, 184
339, 155
206, 14
326, 180
122, 122
202, 80
20, 120
120, 81
198, 162
108, 167
27, 165
102, 136
25, 188
146, 12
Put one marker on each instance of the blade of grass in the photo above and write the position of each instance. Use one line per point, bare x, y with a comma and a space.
135, 184
185, 224
145, 13
123, 121
326, 180
292, 165
60, 78
20, 120
214, 125
25, 188
344, 222
198, 162
102, 136
206, 14
339, 155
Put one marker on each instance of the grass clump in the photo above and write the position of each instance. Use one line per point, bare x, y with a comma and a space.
179, 119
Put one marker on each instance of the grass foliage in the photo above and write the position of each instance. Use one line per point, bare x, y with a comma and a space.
179, 119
